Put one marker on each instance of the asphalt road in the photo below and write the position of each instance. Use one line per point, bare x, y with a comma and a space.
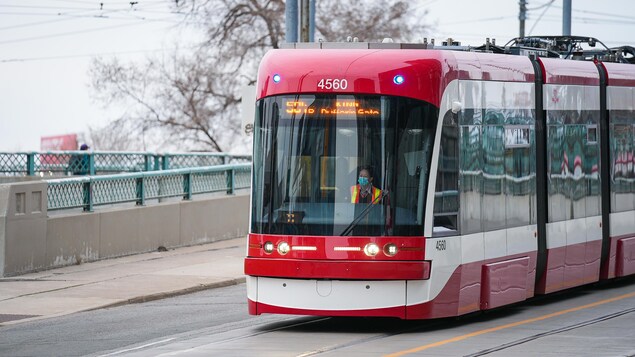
590, 321
93, 332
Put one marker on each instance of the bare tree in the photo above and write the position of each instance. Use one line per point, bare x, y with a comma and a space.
370, 20
193, 99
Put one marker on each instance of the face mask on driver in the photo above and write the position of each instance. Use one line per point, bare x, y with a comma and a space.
363, 181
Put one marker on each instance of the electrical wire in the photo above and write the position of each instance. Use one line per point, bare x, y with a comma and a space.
597, 13
73, 33
540, 17
486, 19
541, 6
90, 55
139, 14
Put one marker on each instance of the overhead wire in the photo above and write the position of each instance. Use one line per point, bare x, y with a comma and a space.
60, 18
541, 6
90, 55
548, 5
73, 33
137, 14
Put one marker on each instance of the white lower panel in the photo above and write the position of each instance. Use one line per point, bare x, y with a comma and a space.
576, 231
622, 223
445, 255
252, 288
556, 234
593, 228
522, 239
330, 294
419, 290
472, 248
495, 244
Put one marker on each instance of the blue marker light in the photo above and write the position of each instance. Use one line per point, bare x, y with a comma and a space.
399, 79
276, 78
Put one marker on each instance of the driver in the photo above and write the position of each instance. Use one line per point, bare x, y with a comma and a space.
364, 191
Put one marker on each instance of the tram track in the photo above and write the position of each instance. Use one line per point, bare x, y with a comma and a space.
364, 331
454, 322
552, 332
394, 328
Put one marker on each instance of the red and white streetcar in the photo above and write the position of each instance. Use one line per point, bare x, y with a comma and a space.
494, 174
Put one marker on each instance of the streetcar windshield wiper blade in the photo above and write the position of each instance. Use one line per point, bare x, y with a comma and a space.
363, 213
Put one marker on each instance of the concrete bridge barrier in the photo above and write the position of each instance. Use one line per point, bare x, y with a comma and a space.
31, 240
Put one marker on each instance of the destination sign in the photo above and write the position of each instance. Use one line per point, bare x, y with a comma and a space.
345, 107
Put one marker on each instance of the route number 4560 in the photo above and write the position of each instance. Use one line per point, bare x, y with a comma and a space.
330, 83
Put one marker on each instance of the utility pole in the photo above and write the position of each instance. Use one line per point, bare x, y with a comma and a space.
522, 16
566, 18
304, 20
305, 12
291, 21
312, 21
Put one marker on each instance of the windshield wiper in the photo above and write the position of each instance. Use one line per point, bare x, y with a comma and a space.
363, 213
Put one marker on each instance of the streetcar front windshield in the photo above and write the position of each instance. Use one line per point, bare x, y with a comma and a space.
310, 150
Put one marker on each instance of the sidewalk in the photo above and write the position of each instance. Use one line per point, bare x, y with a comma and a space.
119, 281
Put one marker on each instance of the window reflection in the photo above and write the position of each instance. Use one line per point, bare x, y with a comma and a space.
573, 165
622, 160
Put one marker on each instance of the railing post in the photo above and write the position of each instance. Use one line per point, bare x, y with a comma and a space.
91, 163
148, 162
141, 192
166, 162
157, 162
226, 159
87, 188
30, 163
187, 186
230, 181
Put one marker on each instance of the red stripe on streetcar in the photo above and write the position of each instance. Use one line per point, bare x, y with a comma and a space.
367, 270
260, 308
337, 248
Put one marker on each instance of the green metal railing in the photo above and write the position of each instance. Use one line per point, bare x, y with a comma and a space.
89, 191
102, 162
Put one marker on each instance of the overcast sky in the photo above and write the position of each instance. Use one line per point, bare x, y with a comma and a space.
46, 47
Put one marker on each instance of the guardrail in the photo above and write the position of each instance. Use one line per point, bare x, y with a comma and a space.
89, 191
93, 162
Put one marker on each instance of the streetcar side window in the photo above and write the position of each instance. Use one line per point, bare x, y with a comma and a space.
622, 151
471, 178
573, 164
493, 199
446, 196
520, 171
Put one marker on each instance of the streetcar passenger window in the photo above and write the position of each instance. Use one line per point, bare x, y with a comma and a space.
622, 151
494, 217
573, 164
446, 196
471, 176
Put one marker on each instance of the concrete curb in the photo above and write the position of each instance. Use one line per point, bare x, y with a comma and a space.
134, 300
173, 293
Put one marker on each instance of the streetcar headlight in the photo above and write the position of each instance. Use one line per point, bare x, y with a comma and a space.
268, 247
399, 79
390, 250
371, 249
276, 78
283, 248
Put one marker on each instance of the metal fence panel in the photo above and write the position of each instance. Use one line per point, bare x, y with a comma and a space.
90, 191
104, 162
